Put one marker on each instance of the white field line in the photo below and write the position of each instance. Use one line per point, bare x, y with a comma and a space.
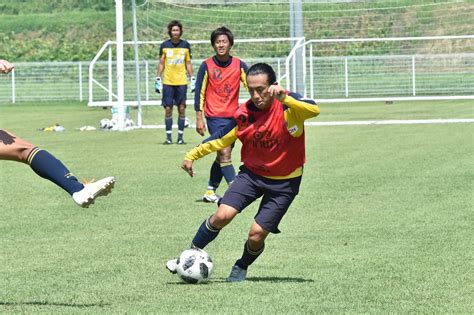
389, 122
360, 122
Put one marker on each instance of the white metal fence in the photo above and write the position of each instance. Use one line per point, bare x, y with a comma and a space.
59, 81
327, 79
102, 82
45, 81
363, 78
402, 71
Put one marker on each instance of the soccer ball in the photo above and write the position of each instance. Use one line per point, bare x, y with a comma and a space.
194, 266
129, 123
105, 124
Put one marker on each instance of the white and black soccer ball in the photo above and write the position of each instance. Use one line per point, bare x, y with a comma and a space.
105, 123
114, 124
129, 123
194, 266
187, 122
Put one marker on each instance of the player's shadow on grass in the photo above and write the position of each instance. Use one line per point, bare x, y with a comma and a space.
45, 303
278, 279
202, 201
270, 279
253, 279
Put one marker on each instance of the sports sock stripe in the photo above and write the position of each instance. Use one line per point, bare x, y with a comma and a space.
254, 252
32, 155
210, 227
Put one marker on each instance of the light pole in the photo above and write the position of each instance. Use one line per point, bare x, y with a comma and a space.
297, 30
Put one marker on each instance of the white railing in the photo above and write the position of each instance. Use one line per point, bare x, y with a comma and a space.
97, 80
387, 77
44, 81
327, 79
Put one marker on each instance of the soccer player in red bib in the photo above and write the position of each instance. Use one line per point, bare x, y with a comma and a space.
217, 95
271, 128
175, 61
47, 166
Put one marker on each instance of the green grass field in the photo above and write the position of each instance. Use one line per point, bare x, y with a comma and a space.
383, 222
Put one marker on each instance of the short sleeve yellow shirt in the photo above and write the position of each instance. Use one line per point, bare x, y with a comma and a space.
175, 56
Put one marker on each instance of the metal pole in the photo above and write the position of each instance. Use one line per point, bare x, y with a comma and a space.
293, 86
346, 76
137, 66
287, 70
278, 68
110, 73
120, 67
80, 82
413, 74
303, 67
147, 88
311, 72
292, 22
13, 87
297, 30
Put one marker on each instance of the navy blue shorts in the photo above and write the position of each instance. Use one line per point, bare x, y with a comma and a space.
277, 196
174, 95
216, 124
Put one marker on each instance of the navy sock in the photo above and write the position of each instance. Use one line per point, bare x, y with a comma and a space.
215, 176
47, 166
168, 127
248, 256
181, 121
205, 234
228, 171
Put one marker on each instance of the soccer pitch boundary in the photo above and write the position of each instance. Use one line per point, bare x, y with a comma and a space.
359, 122
390, 122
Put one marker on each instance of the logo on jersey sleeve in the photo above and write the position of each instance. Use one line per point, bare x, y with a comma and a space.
292, 130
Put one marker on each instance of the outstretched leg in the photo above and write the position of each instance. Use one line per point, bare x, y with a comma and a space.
49, 167
14, 148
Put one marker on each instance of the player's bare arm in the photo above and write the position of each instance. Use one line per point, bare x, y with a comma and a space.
161, 67
5, 66
6, 138
189, 68
200, 125
277, 91
187, 166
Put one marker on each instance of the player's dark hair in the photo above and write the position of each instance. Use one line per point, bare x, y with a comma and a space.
222, 31
263, 68
173, 24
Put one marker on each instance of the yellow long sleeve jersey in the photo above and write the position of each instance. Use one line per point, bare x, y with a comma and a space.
290, 115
